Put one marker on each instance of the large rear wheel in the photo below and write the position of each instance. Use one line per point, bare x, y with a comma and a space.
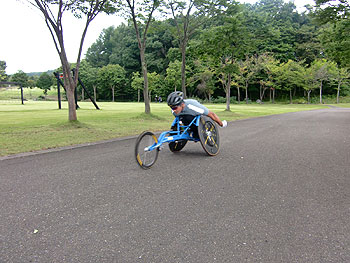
209, 135
144, 157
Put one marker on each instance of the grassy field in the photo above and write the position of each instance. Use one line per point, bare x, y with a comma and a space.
14, 93
40, 125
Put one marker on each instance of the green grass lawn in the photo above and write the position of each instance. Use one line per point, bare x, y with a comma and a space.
14, 93
40, 125
342, 105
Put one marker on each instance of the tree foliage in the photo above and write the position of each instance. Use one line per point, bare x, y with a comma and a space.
141, 14
88, 9
215, 49
111, 80
20, 77
330, 11
3, 75
45, 82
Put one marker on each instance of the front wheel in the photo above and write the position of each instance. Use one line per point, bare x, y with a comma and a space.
209, 135
145, 157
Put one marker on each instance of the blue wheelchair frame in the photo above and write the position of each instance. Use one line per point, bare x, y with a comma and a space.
182, 133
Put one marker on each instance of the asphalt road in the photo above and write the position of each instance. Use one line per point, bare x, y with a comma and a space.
279, 191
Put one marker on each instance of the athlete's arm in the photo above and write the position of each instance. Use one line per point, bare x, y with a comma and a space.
215, 118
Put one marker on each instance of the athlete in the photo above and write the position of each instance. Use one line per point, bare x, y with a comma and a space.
187, 109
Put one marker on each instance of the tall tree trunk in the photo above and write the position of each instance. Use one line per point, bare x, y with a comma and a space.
321, 93
145, 81
338, 92
228, 92
142, 47
183, 69
70, 87
95, 97
138, 95
113, 93
246, 92
260, 91
290, 96
273, 96
238, 95
56, 30
263, 94
308, 96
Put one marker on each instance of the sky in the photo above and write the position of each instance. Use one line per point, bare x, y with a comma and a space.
26, 43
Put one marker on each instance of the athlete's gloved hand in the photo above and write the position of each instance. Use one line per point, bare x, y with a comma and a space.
224, 124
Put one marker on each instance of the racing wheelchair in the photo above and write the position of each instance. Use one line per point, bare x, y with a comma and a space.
200, 128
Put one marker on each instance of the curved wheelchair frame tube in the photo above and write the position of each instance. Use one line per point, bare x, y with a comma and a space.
171, 136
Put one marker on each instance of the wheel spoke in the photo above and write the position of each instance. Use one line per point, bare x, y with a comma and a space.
145, 157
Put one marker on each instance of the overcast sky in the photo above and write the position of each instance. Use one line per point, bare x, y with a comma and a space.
26, 43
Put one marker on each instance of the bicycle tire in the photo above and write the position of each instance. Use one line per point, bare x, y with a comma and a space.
177, 145
209, 136
145, 159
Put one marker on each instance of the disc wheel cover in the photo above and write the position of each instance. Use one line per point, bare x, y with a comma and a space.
209, 136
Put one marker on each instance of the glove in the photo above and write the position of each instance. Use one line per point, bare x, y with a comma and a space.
224, 124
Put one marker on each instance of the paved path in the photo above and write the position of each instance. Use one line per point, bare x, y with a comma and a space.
279, 191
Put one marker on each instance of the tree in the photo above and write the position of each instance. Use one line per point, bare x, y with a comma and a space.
223, 44
330, 11
141, 14
275, 28
160, 40
308, 46
125, 51
291, 76
137, 84
340, 76
275, 73
89, 76
321, 72
88, 8
32, 81
173, 76
335, 39
20, 77
99, 53
3, 76
309, 83
111, 77
265, 65
155, 82
227, 68
246, 71
206, 85
44, 82
120, 46
188, 16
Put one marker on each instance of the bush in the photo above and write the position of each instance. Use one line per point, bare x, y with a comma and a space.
233, 100
41, 97
300, 101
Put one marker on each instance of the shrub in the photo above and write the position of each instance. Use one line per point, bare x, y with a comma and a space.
220, 99
300, 101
